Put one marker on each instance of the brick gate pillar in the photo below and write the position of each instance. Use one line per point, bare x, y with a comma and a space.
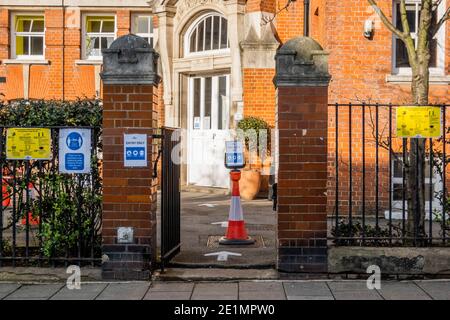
302, 80
129, 193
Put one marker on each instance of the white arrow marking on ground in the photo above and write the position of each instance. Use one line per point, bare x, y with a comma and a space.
209, 205
223, 224
223, 255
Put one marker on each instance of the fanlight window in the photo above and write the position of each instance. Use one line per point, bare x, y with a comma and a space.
209, 33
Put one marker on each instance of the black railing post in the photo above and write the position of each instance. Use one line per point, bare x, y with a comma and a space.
336, 164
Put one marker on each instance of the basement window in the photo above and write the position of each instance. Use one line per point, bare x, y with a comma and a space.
28, 34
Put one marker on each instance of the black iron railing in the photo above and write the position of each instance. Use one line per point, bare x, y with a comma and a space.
170, 197
48, 218
368, 187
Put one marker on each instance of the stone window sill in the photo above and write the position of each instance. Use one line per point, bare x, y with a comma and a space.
25, 61
89, 62
406, 79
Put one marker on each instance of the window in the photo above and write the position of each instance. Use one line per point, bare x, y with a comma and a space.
143, 27
28, 34
400, 54
208, 34
99, 32
435, 183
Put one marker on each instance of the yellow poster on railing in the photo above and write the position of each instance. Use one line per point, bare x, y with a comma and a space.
28, 144
419, 122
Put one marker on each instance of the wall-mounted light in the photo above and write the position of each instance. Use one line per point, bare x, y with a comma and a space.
368, 28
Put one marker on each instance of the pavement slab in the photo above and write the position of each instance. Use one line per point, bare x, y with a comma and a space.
124, 291
215, 291
352, 290
307, 291
35, 292
402, 291
170, 291
88, 291
8, 288
438, 290
261, 291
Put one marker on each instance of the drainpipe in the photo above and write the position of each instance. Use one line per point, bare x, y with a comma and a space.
306, 18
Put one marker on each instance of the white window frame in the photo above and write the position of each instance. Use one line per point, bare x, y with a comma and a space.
84, 33
439, 70
134, 26
436, 180
14, 34
193, 28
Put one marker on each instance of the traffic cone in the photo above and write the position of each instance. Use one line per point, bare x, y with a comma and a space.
236, 232
31, 220
6, 197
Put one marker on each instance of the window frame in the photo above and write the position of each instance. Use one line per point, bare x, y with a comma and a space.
439, 70
193, 28
13, 36
134, 26
435, 180
84, 33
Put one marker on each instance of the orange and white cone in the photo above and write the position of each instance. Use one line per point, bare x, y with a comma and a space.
236, 232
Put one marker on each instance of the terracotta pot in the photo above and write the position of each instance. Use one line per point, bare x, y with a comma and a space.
249, 184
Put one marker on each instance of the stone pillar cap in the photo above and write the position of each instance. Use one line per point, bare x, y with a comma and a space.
130, 60
301, 62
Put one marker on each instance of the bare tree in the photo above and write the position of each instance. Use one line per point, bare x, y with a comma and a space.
419, 55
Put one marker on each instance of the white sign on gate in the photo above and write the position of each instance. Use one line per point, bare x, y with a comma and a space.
135, 150
74, 150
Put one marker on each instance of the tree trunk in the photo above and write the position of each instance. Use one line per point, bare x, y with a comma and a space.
417, 156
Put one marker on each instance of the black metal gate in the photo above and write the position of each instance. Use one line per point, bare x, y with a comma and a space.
170, 197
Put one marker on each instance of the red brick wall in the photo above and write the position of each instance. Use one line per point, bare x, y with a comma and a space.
259, 94
302, 179
261, 5
129, 194
46, 81
358, 65
289, 23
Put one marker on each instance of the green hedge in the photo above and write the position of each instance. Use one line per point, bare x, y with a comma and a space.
51, 113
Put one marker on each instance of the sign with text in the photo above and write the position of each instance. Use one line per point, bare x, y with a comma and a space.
135, 150
234, 155
418, 122
74, 150
28, 144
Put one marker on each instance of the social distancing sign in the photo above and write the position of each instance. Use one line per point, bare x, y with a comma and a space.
419, 122
135, 150
74, 150
28, 144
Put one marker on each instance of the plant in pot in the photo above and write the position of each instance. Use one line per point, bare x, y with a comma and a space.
255, 132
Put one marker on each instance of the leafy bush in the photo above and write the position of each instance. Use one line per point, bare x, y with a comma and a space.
356, 231
48, 113
256, 134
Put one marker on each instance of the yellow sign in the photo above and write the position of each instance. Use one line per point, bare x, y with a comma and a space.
28, 144
418, 122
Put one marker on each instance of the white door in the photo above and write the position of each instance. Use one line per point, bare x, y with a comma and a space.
208, 130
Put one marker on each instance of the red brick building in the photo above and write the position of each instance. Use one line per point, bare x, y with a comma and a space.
217, 60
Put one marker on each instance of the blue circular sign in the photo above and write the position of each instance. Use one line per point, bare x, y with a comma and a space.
74, 141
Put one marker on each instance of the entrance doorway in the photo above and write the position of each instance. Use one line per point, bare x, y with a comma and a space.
208, 124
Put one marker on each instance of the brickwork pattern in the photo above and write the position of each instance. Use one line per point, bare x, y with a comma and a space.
302, 179
129, 194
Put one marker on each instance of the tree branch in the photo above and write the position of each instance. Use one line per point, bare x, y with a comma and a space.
386, 21
404, 17
441, 22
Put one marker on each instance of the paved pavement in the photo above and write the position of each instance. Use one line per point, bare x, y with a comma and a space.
238, 290
202, 215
